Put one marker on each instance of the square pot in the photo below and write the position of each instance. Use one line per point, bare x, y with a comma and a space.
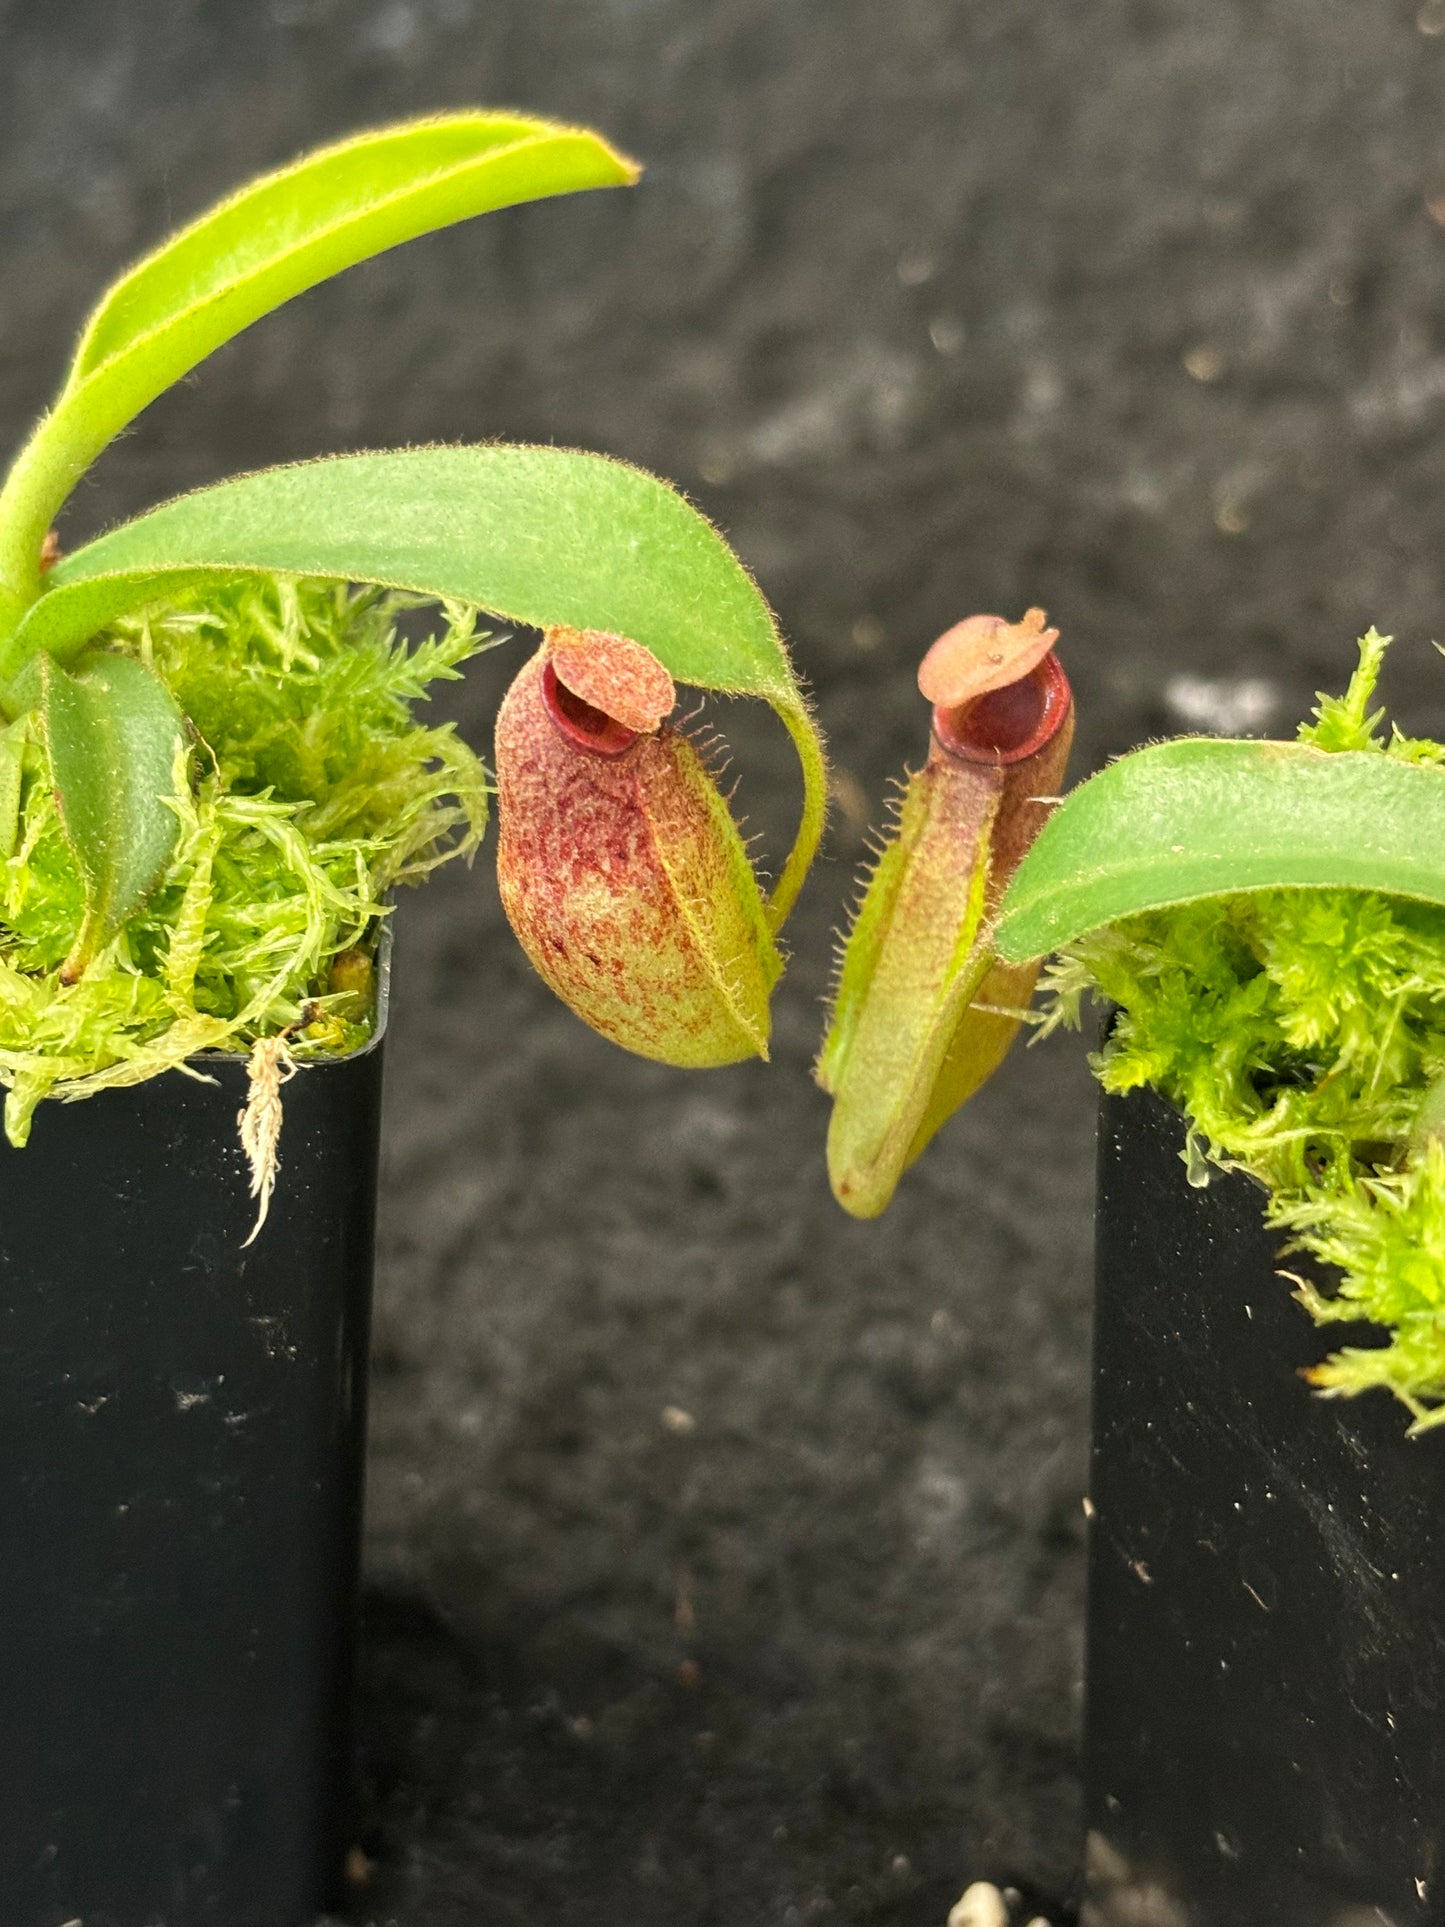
182, 1426
1265, 1664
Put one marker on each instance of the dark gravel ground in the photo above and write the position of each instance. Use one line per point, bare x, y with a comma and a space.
1131, 308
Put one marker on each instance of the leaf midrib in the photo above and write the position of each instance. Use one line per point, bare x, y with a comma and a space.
314, 239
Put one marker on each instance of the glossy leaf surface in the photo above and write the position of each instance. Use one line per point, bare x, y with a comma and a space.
1176, 822
113, 732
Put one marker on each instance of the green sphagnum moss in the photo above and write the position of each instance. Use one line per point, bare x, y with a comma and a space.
314, 793
1301, 1032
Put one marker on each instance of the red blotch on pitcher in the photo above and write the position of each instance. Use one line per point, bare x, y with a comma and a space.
621, 869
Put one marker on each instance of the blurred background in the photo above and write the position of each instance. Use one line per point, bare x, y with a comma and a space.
725, 1556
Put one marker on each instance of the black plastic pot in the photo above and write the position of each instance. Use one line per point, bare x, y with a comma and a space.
1265, 1673
181, 1423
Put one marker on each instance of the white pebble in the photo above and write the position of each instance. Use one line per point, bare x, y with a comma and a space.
982, 1906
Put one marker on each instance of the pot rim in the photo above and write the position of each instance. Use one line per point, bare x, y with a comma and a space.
385, 945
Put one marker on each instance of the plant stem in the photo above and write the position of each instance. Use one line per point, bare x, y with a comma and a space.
62, 446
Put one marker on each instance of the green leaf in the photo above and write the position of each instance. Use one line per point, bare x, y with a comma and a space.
332, 208
113, 732
542, 536
279, 235
1176, 822
537, 535
13, 740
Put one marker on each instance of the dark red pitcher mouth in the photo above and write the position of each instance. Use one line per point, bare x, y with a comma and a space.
579, 722
1010, 724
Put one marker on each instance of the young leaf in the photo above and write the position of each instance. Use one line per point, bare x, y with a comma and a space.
278, 236
1179, 821
543, 536
113, 732
333, 207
